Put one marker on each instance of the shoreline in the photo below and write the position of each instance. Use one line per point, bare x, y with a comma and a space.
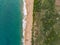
24, 20
29, 21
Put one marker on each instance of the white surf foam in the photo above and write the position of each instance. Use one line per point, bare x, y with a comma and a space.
24, 19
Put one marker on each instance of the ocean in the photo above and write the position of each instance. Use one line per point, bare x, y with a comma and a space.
11, 32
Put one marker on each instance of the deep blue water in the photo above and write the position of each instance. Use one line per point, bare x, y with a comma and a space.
11, 22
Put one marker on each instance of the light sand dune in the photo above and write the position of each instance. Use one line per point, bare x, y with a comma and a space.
29, 21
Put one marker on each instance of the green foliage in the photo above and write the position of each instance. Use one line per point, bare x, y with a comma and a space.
37, 5
45, 18
48, 4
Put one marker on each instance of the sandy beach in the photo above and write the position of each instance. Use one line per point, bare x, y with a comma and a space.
29, 21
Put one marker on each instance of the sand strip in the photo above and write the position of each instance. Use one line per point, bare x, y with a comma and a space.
29, 20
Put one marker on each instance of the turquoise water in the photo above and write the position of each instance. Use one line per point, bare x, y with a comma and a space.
10, 22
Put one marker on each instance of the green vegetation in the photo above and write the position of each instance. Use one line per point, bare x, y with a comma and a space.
45, 21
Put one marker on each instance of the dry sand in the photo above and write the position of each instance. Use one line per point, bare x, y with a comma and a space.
29, 19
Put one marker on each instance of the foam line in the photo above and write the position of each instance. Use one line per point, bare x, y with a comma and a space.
24, 19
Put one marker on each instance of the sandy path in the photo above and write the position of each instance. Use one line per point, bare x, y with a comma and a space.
58, 2
28, 32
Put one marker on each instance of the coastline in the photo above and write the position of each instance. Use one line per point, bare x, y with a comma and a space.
29, 21
24, 20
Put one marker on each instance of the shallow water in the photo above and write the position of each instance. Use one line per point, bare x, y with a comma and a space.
11, 22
